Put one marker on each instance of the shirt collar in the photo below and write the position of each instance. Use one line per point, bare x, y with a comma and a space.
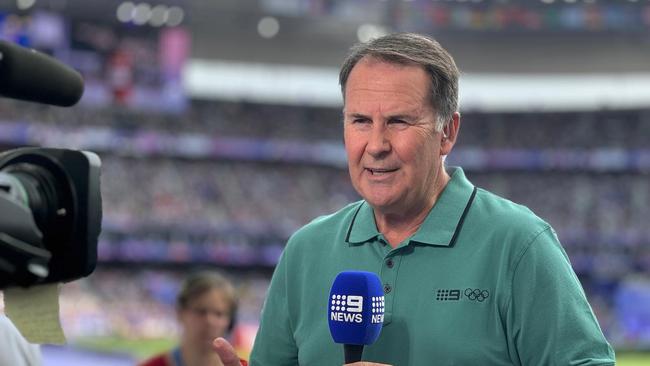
363, 227
440, 225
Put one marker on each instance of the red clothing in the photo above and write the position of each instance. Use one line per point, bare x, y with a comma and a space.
165, 359
159, 360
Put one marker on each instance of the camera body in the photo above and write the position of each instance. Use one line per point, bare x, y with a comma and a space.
50, 215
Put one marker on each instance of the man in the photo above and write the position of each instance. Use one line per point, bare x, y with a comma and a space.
469, 278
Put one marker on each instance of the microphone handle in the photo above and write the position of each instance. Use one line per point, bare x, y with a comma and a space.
352, 352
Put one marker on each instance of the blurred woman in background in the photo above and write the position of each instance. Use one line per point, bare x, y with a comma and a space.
206, 307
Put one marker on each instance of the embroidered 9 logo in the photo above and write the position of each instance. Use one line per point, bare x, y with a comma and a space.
472, 294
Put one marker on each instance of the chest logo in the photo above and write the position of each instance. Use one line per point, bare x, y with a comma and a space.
469, 294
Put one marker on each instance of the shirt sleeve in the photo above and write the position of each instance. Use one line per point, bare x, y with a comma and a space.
274, 342
549, 321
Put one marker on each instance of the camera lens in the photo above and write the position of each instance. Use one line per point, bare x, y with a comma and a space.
39, 190
48, 199
51, 205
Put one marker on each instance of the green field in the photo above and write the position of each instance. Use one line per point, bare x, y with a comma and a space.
632, 359
140, 349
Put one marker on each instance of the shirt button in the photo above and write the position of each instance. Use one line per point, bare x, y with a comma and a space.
387, 288
389, 263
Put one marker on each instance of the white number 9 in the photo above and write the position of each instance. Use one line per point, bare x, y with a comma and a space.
355, 304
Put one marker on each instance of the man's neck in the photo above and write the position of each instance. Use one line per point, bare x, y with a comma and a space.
396, 230
396, 227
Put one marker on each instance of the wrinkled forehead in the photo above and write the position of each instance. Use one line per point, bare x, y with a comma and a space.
375, 86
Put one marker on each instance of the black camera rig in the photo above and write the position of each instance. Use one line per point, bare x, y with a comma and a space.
50, 215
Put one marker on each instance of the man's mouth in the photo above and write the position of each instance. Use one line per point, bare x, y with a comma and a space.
377, 171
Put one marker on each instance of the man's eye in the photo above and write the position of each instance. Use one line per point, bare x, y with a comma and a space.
360, 120
399, 123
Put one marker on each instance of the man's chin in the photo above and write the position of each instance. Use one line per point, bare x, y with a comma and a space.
379, 195
382, 204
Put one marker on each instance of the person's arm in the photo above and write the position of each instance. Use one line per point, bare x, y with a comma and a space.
274, 342
549, 320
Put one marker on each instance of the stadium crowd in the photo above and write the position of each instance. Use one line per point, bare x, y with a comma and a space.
239, 213
627, 129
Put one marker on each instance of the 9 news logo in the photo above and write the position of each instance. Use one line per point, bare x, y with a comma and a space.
378, 307
349, 308
471, 294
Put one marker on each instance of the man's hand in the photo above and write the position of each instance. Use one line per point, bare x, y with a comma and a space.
226, 352
363, 363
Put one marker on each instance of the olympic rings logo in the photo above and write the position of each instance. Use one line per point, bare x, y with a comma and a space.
476, 294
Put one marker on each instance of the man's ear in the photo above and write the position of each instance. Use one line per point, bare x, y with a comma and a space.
449, 134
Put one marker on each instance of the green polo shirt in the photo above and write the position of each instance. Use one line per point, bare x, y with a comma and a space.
482, 282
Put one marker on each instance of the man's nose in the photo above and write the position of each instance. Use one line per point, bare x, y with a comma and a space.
379, 140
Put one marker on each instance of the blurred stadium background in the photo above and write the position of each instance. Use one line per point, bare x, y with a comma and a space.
218, 123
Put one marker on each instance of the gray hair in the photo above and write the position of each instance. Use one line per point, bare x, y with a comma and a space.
413, 49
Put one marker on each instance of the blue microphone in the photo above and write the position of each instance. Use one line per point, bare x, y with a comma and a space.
355, 311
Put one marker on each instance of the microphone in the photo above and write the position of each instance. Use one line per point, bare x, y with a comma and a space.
33, 76
355, 311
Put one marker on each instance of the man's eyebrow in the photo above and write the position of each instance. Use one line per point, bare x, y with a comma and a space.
402, 116
356, 115
391, 117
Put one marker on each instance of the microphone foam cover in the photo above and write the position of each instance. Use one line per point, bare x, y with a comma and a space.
356, 308
30, 75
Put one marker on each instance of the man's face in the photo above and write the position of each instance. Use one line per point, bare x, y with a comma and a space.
394, 152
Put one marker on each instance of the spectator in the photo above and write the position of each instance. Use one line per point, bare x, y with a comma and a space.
206, 309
